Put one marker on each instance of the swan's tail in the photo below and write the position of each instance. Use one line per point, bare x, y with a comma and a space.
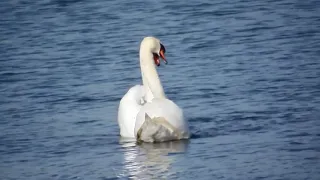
158, 130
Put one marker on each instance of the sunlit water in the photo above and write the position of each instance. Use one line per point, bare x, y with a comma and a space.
246, 73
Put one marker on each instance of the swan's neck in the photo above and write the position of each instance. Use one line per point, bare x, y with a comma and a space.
150, 77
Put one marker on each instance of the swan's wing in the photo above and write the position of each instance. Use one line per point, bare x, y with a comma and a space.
158, 130
166, 110
129, 107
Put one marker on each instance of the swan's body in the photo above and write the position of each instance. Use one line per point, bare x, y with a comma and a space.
145, 113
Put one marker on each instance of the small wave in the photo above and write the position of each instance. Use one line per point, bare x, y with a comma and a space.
86, 122
204, 133
200, 119
86, 99
302, 134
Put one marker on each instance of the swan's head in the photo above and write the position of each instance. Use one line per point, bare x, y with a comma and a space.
156, 48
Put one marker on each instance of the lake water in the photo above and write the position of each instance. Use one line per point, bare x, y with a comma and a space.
246, 73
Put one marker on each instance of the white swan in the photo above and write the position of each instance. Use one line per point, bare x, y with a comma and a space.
144, 111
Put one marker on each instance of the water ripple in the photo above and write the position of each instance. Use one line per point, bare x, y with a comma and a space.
245, 73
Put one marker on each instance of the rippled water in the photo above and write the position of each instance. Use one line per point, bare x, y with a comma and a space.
246, 73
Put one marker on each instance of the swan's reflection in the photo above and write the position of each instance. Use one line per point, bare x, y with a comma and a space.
150, 160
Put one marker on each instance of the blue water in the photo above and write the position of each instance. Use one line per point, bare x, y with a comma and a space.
246, 73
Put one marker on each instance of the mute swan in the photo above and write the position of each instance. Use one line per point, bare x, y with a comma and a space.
145, 113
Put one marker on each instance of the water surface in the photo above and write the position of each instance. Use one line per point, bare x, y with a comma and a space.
246, 73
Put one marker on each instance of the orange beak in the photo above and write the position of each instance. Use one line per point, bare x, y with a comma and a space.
161, 54
163, 57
